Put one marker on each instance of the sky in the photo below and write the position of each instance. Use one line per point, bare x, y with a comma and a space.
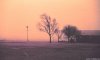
15, 15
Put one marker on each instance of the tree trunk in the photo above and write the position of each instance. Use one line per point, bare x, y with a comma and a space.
68, 40
50, 38
58, 39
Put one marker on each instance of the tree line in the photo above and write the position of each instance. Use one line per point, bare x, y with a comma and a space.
50, 26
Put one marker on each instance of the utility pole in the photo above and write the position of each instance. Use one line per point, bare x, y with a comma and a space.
27, 33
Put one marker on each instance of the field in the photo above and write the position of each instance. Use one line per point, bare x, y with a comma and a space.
47, 51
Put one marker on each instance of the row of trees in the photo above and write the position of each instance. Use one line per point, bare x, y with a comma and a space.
50, 26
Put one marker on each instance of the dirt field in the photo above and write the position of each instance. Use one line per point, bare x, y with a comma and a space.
47, 51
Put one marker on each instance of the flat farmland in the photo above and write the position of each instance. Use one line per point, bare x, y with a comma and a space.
48, 51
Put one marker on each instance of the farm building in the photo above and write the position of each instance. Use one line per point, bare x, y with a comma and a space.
89, 36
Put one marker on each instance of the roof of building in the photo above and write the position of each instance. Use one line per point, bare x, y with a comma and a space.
90, 32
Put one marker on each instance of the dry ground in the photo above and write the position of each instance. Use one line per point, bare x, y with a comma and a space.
47, 51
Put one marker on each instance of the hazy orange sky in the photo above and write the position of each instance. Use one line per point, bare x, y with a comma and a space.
16, 14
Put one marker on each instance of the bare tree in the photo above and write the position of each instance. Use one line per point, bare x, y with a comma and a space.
59, 33
47, 25
70, 32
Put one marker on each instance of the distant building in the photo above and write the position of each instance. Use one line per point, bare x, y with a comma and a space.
89, 36
90, 32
